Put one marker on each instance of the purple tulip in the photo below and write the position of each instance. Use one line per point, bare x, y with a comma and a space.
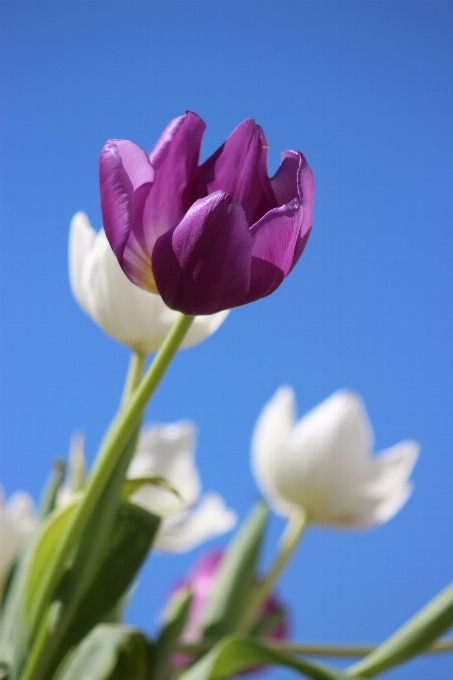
201, 581
209, 237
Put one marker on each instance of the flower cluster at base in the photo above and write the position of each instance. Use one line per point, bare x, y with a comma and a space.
200, 581
323, 463
211, 237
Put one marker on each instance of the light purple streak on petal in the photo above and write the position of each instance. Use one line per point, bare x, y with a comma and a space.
126, 176
294, 179
135, 162
175, 159
203, 265
276, 237
136, 262
117, 199
236, 167
284, 182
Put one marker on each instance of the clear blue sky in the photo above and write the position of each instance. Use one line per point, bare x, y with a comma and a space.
364, 90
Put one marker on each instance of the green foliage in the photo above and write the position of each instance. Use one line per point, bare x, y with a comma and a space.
125, 550
175, 618
235, 576
411, 639
234, 654
110, 652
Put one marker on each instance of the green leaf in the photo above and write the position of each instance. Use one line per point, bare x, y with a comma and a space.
238, 653
131, 485
235, 576
126, 548
44, 543
12, 628
110, 652
81, 567
174, 621
411, 639
102, 568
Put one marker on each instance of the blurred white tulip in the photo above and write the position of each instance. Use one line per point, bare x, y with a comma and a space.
168, 451
18, 519
138, 319
323, 463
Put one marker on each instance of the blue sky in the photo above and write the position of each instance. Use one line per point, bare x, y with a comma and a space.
363, 89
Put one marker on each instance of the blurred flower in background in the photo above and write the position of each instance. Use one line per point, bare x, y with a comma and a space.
18, 519
323, 463
188, 519
272, 622
135, 317
206, 238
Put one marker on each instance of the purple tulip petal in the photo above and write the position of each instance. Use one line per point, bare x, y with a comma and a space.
125, 174
203, 265
239, 167
294, 179
175, 160
276, 236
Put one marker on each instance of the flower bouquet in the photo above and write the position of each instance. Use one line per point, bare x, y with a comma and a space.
183, 244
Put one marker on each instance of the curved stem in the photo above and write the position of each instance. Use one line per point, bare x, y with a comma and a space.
112, 446
289, 541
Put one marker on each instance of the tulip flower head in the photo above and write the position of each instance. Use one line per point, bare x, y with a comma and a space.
201, 582
211, 237
135, 317
18, 519
323, 463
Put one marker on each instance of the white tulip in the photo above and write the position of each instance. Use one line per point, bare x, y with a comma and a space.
138, 319
17, 521
168, 451
323, 463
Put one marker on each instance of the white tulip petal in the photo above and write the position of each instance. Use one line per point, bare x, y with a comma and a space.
269, 443
17, 521
166, 451
325, 466
186, 531
81, 239
135, 317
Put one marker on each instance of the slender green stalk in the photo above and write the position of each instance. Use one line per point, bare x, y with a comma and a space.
319, 649
289, 541
134, 375
115, 440
338, 650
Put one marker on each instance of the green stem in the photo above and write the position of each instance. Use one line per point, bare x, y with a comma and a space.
115, 440
289, 541
134, 375
314, 649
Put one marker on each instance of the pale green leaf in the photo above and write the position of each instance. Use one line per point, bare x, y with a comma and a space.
235, 576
